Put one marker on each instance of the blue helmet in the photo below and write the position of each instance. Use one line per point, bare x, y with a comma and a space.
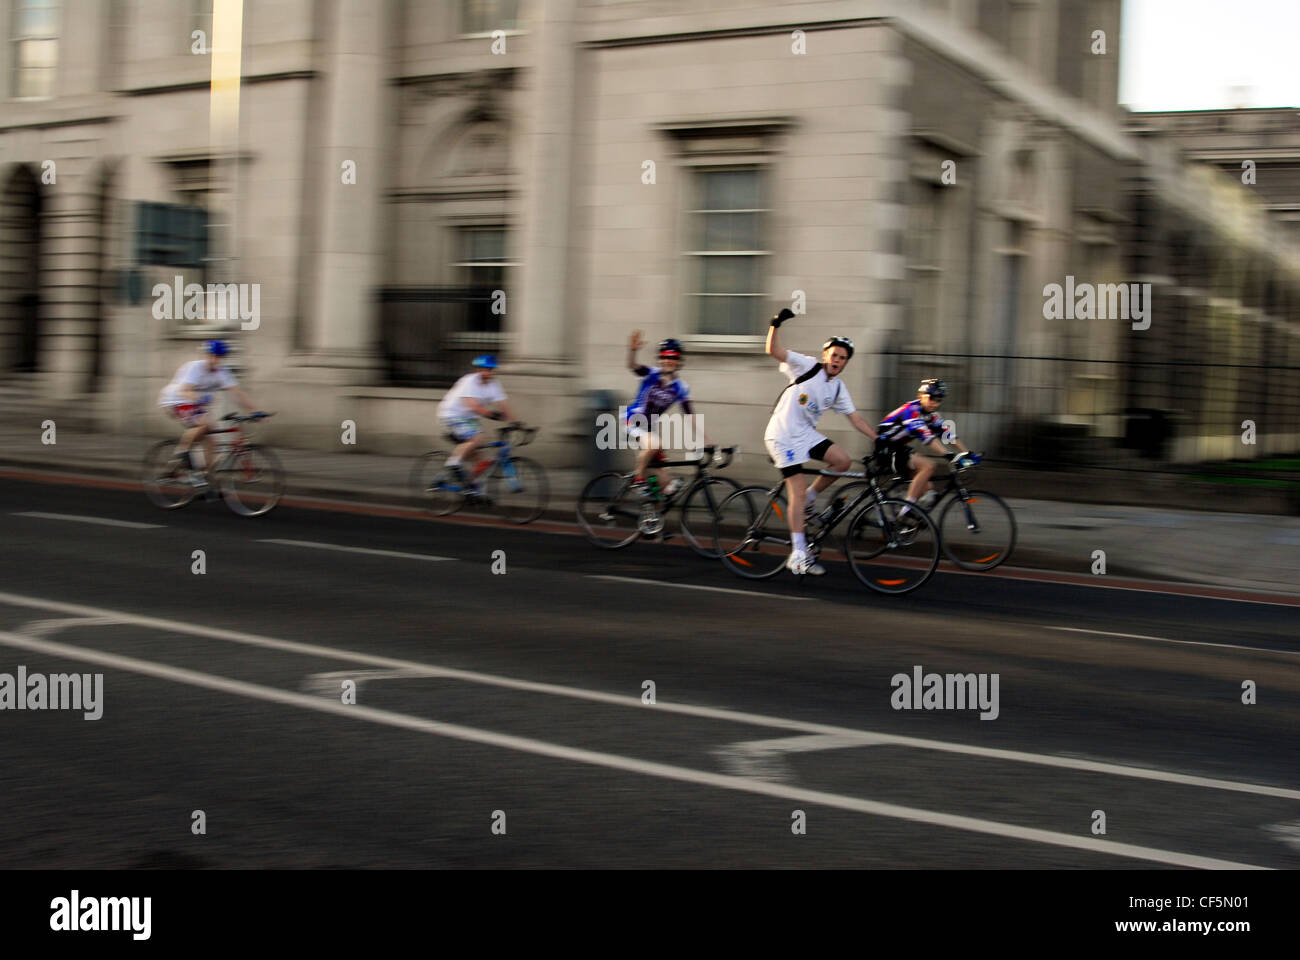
217, 348
933, 387
486, 361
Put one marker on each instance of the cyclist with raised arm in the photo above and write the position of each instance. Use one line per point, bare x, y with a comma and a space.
187, 398
791, 437
918, 420
660, 388
471, 397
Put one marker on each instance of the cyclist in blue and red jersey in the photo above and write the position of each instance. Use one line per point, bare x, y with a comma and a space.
660, 388
917, 420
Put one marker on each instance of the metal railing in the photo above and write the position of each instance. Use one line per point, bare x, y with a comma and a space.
428, 335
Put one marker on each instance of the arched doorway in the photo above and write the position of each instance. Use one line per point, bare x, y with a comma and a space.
20, 254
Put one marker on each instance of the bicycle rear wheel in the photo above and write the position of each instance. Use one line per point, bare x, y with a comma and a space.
979, 532
752, 533
435, 488
166, 481
251, 480
609, 510
890, 552
518, 489
699, 507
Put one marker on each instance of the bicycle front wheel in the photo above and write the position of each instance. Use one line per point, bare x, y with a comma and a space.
251, 480
166, 482
609, 510
889, 551
699, 507
979, 531
518, 489
434, 486
752, 533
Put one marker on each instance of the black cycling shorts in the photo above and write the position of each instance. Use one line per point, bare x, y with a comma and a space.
896, 457
816, 453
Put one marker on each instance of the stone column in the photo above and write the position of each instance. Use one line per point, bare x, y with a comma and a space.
348, 260
540, 316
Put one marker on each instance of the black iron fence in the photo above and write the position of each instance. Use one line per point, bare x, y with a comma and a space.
1165, 414
428, 335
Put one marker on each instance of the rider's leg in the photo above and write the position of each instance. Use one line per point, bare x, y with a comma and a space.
922, 471
838, 460
467, 452
796, 489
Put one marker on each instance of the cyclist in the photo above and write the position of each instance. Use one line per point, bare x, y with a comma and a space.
660, 389
467, 400
917, 419
188, 397
791, 437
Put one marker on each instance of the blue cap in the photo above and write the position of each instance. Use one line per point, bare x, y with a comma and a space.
486, 360
217, 348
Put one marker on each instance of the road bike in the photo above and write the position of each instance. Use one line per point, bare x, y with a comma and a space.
976, 528
514, 488
614, 511
248, 476
891, 546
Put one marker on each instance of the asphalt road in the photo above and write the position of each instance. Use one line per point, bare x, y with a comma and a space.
517, 697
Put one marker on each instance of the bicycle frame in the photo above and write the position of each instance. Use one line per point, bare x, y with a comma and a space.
872, 492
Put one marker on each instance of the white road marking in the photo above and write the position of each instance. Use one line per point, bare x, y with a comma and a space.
634, 700
102, 521
752, 594
330, 682
1288, 833
43, 628
765, 760
335, 546
1194, 643
613, 761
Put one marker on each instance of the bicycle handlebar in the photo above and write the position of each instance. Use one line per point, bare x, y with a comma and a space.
706, 455
242, 418
526, 434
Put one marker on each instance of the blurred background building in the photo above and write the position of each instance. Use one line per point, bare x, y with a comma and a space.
412, 183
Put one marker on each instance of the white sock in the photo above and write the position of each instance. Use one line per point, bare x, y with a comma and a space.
453, 461
903, 512
800, 543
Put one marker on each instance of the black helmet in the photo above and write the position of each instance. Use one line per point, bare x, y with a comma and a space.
670, 348
844, 342
935, 388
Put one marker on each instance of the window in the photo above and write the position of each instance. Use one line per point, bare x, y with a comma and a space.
484, 16
924, 261
171, 235
483, 257
727, 265
35, 48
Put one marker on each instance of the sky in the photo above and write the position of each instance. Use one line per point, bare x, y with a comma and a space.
1190, 54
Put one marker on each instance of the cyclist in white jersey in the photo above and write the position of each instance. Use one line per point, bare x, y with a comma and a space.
791, 437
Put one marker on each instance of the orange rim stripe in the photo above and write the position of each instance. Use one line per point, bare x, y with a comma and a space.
988, 558
890, 583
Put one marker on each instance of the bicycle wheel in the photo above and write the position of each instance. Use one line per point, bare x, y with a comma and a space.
699, 507
978, 532
752, 533
888, 553
435, 488
166, 482
609, 510
251, 480
517, 489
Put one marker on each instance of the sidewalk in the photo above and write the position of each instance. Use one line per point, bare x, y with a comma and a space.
1246, 551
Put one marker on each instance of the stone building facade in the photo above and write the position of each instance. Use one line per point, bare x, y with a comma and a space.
410, 183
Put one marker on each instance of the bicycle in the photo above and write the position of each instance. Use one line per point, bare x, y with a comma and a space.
889, 551
248, 476
613, 512
516, 486
977, 529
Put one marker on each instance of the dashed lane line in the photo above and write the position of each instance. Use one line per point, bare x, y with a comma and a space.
623, 764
